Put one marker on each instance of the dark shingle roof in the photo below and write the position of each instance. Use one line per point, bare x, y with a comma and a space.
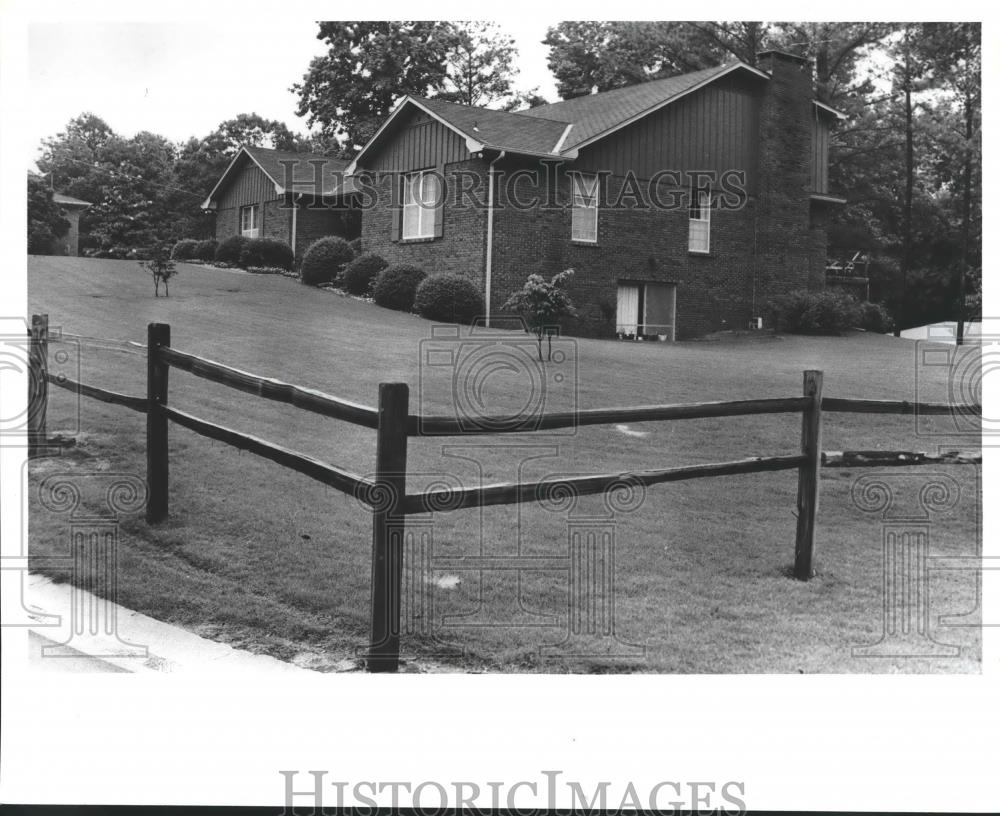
517, 132
594, 114
270, 162
543, 130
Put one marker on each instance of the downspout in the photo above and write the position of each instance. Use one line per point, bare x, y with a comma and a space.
489, 237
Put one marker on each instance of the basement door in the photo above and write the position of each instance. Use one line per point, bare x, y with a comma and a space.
647, 309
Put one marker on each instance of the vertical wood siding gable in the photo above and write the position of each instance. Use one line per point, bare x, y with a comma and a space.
712, 129
251, 186
418, 142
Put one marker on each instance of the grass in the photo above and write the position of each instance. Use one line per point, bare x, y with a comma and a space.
264, 558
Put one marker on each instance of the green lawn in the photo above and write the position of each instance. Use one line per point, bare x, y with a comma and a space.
261, 557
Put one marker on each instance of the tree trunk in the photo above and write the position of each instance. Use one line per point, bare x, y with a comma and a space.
908, 195
966, 206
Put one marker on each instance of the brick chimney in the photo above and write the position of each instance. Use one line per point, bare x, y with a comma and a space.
783, 239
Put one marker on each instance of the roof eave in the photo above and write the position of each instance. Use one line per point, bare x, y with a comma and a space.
839, 114
531, 154
825, 198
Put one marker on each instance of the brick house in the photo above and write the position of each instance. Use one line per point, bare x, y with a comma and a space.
253, 198
683, 204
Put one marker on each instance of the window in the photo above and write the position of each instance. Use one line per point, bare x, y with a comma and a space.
250, 221
646, 310
699, 221
421, 208
585, 200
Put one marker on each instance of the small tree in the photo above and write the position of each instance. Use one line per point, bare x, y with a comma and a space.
542, 304
161, 268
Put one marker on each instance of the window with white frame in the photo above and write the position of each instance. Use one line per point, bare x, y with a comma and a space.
250, 221
420, 201
585, 200
699, 221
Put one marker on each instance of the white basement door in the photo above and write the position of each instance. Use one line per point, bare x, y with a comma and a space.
628, 308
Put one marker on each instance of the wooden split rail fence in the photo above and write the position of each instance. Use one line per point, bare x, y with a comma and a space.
386, 494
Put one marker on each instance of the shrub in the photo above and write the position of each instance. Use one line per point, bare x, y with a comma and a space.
229, 250
266, 252
357, 245
815, 312
359, 275
876, 318
448, 297
204, 250
184, 249
324, 260
396, 287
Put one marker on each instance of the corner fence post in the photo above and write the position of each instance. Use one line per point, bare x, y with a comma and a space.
38, 383
388, 526
808, 497
157, 464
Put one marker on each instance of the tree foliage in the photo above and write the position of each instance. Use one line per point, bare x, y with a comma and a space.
161, 268
46, 221
349, 91
542, 303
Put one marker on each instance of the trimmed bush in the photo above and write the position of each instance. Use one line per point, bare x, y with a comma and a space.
266, 252
324, 260
875, 318
396, 287
205, 250
184, 249
448, 297
357, 245
229, 250
360, 274
816, 312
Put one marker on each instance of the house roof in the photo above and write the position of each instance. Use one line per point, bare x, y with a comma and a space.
503, 130
597, 115
69, 201
270, 163
562, 128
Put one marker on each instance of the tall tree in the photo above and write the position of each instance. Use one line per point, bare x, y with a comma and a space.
351, 89
955, 56
481, 66
587, 56
908, 74
741, 39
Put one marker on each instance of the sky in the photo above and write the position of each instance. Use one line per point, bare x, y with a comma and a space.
181, 80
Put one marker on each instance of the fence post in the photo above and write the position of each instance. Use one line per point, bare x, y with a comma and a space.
388, 527
808, 497
157, 464
38, 383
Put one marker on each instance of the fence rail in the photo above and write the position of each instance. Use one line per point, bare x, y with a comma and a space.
870, 406
329, 475
92, 391
451, 426
521, 493
386, 493
268, 388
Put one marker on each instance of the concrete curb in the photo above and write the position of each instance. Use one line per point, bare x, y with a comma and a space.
111, 638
